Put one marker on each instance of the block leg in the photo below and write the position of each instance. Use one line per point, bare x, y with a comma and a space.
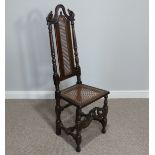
78, 129
105, 110
58, 118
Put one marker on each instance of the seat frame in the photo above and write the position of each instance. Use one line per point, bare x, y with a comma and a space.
82, 120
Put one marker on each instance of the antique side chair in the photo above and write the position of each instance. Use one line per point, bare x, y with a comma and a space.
63, 40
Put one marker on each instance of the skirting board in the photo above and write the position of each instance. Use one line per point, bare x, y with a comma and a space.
50, 94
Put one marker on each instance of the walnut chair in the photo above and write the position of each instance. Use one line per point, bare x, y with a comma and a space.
66, 65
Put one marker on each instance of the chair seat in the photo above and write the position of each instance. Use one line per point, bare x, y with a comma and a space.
81, 95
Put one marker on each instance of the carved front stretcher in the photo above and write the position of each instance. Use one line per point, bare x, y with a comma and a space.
63, 44
97, 113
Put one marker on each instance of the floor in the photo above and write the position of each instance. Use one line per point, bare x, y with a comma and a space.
30, 129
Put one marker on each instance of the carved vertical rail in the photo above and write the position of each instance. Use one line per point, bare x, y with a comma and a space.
55, 74
78, 69
56, 82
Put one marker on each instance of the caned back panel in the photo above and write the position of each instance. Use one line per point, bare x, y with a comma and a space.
64, 48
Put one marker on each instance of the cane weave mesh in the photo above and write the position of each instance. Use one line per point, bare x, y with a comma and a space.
65, 50
82, 95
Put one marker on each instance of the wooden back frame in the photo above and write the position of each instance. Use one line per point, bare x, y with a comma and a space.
66, 46
53, 24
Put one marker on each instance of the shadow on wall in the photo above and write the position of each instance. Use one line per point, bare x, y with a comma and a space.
34, 52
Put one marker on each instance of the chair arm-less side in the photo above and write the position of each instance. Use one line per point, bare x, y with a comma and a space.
66, 65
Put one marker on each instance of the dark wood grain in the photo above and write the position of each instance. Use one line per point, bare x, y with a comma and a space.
79, 95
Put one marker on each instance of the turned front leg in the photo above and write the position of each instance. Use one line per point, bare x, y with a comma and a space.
58, 118
105, 112
78, 129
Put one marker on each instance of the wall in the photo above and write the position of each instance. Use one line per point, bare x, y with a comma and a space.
112, 41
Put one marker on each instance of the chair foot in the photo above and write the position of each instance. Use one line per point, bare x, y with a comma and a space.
103, 131
58, 131
78, 142
78, 149
104, 124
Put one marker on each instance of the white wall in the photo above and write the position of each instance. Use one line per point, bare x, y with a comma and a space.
112, 43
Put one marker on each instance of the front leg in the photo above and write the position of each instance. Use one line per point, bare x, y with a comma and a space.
78, 129
105, 112
58, 118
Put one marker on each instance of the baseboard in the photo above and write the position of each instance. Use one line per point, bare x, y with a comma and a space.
129, 94
29, 94
50, 94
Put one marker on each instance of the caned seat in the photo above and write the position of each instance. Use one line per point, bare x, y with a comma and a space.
65, 62
82, 95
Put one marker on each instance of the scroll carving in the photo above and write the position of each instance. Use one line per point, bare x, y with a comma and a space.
54, 19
